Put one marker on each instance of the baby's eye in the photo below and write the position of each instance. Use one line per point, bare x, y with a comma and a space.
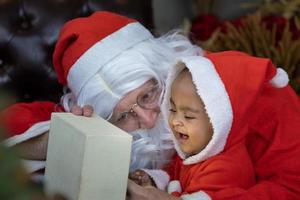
189, 117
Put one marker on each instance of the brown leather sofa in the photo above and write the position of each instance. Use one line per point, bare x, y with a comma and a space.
28, 33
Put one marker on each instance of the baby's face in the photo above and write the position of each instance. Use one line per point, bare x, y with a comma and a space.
188, 119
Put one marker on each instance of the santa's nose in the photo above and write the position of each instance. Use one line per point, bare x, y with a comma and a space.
146, 118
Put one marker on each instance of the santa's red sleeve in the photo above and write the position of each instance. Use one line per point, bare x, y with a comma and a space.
274, 145
24, 121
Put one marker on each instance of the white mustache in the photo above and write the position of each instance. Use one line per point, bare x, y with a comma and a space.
151, 147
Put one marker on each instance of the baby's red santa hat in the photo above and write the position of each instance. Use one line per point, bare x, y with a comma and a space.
228, 84
87, 44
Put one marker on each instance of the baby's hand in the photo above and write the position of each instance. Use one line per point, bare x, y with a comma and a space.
141, 178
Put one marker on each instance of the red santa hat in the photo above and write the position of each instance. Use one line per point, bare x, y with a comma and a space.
228, 83
86, 44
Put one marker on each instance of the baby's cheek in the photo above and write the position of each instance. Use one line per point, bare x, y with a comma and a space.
170, 119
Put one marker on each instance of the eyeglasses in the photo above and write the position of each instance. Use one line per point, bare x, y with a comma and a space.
148, 100
151, 98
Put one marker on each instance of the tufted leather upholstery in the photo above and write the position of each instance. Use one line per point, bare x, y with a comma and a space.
28, 33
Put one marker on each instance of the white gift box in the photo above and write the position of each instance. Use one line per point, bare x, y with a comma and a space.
87, 159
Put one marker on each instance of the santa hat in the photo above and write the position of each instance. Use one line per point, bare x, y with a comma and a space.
86, 44
228, 84
84, 53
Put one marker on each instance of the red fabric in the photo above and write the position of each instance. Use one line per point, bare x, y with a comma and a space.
20, 117
232, 169
176, 194
274, 145
244, 77
273, 133
78, 35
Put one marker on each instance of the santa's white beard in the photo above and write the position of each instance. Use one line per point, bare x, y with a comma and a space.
152, 148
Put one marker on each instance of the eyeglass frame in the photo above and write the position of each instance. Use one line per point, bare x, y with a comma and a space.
131, 111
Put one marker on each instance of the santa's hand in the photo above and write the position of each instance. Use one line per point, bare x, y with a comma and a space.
141, 178
86, 110
137, 192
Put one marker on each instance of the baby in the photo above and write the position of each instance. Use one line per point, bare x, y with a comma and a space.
208, 102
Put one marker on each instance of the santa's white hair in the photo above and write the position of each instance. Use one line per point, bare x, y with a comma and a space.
150, 59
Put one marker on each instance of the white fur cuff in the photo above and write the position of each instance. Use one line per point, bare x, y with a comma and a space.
174, 186
196, 196
160, 177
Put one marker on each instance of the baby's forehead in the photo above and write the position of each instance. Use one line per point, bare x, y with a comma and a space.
183, 75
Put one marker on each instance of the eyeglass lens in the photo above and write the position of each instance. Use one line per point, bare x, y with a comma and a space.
150, 99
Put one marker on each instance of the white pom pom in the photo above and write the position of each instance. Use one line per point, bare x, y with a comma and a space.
281, 79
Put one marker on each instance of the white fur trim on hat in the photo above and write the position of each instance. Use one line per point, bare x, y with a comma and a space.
174, 186
104, 51
34, 131
281, 79
215, 98
160, 177
196, 196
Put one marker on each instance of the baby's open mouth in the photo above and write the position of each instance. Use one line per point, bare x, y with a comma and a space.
183, 136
